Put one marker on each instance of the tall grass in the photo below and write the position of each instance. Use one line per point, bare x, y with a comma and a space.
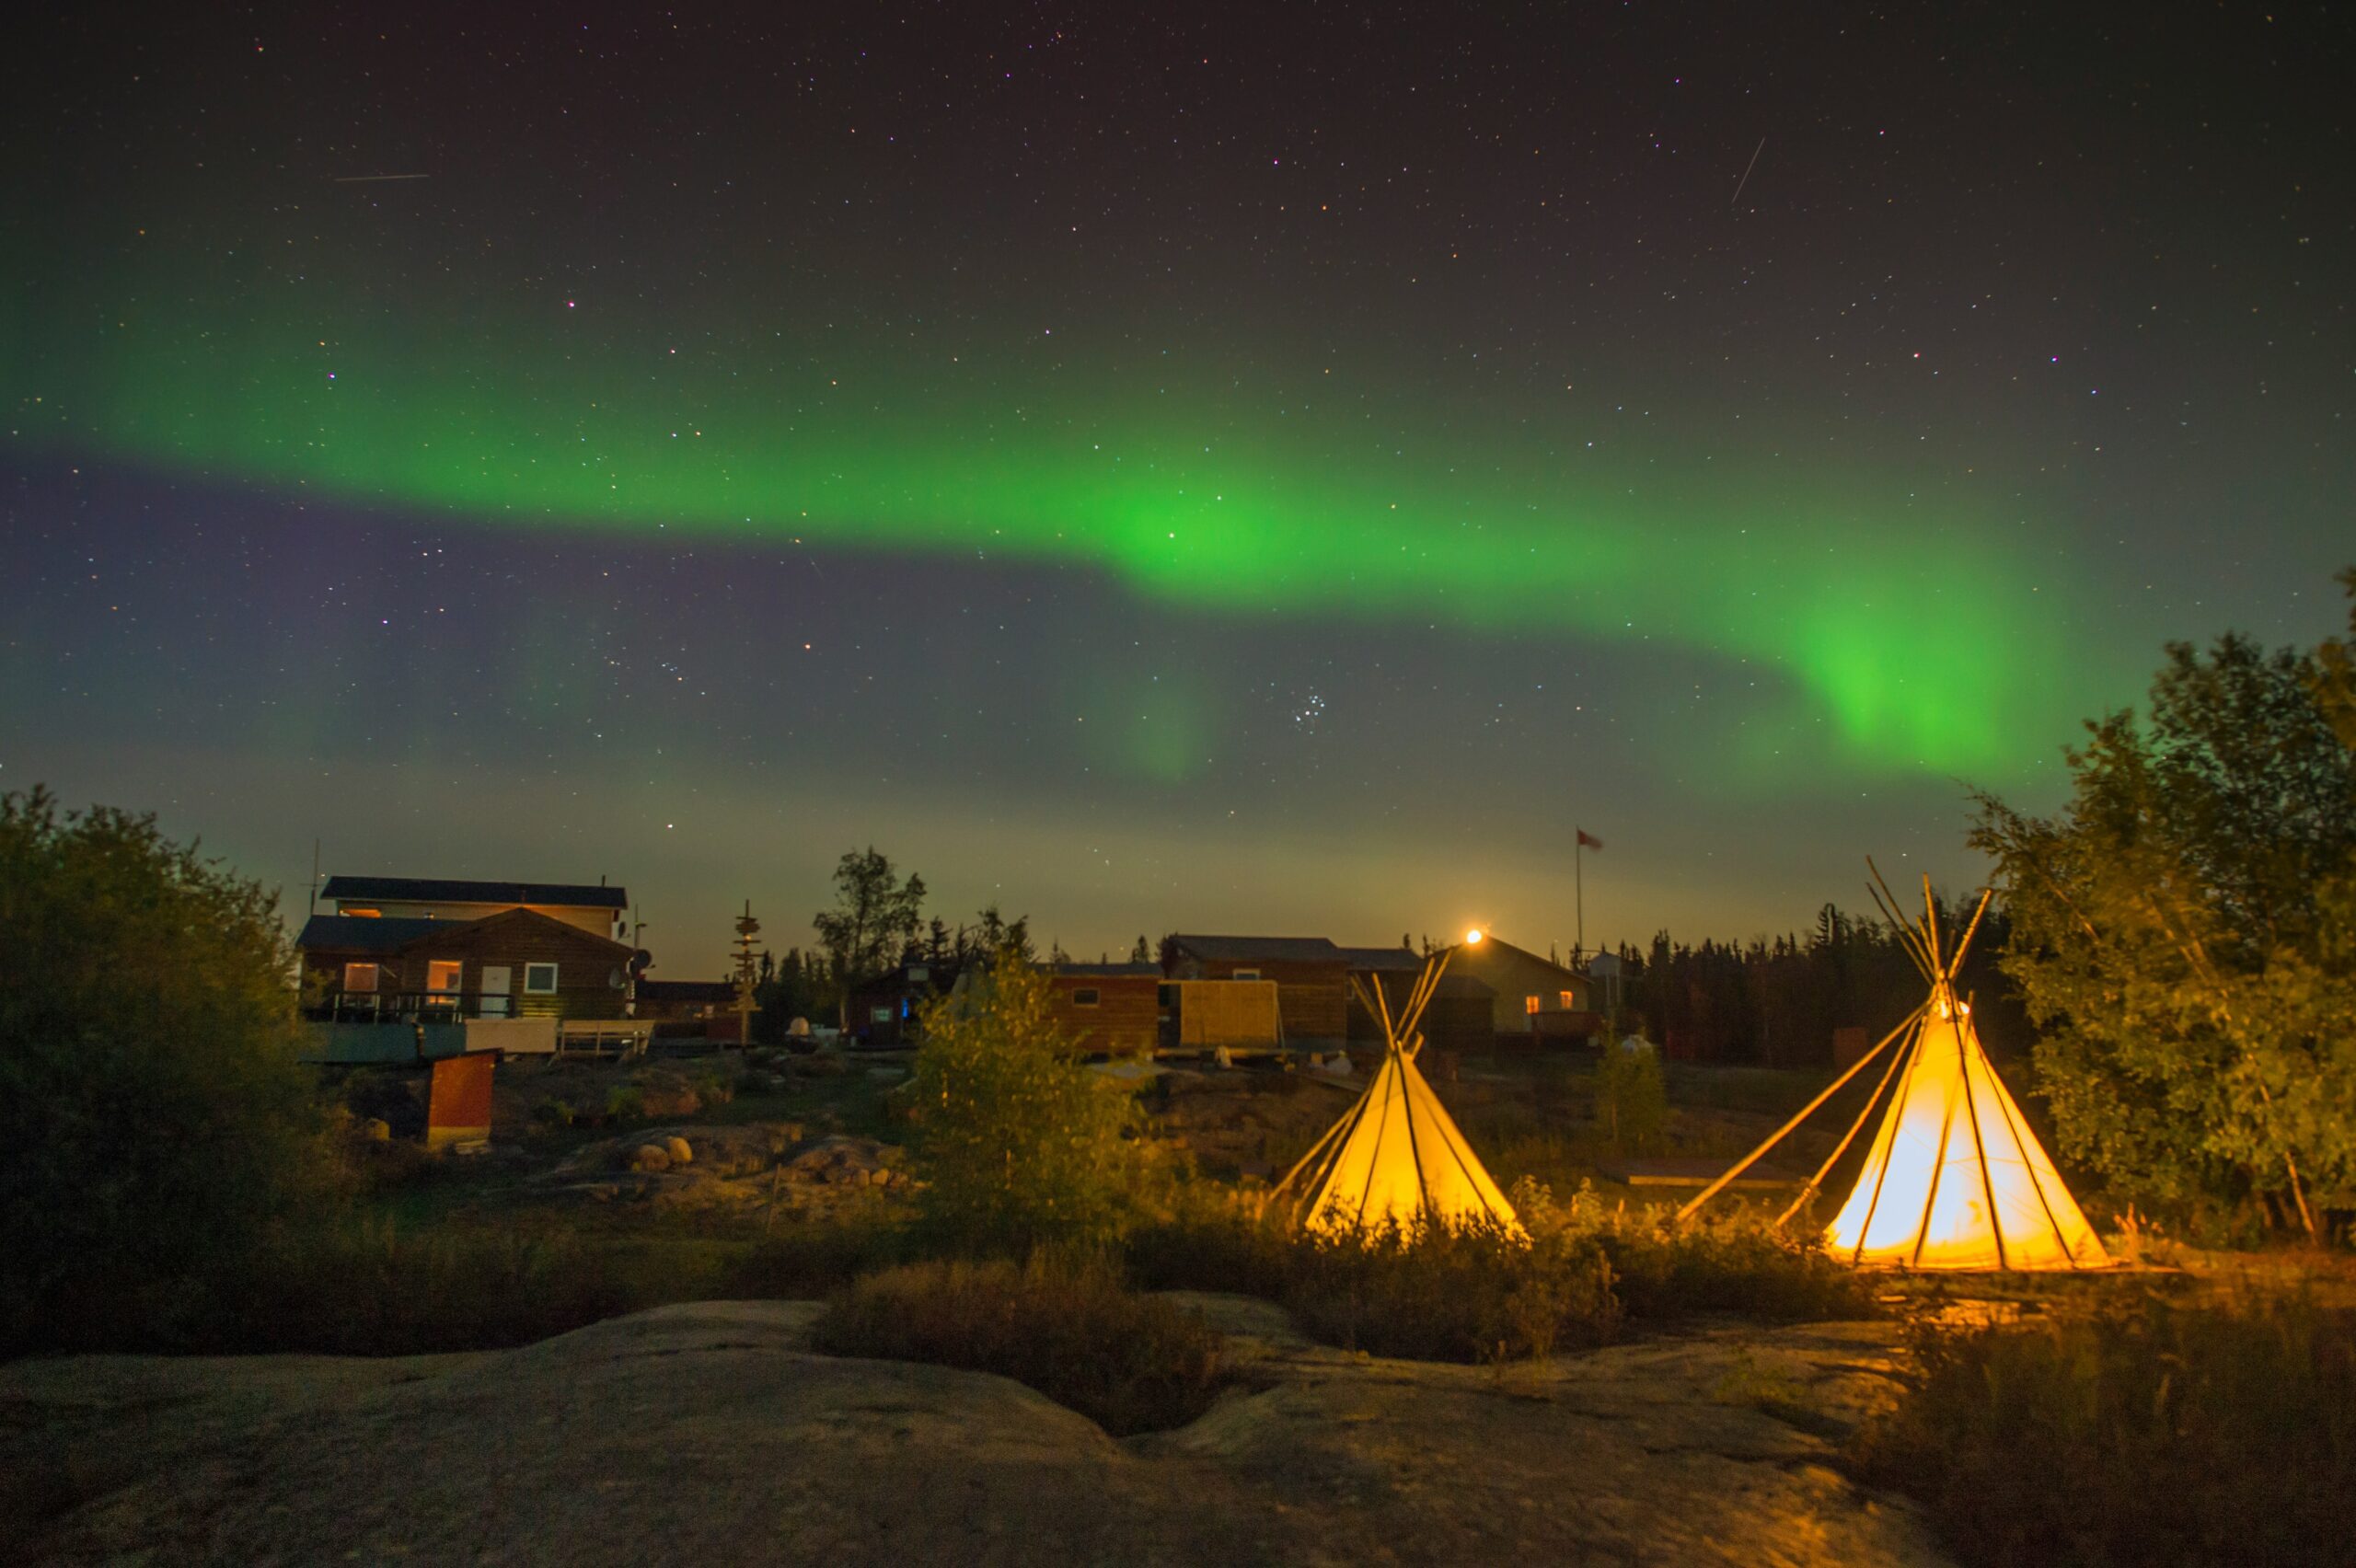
2149, 1434
1072, 1330
1477, 1293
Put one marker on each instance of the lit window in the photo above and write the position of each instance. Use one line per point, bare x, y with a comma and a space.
1085, 997
442, 975
880, 1015
360, 977
540, 979
1570, 1001
1529, 1004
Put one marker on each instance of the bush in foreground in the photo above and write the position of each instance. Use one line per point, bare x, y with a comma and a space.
1019, 1146
1075, 1333
152, 1109
2155, 1433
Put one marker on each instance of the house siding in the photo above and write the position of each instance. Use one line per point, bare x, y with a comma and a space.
1126, 1019
1312, 998
585, 965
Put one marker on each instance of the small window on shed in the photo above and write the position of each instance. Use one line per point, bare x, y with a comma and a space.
1247, 974
360, 977
1086, 997
540, 979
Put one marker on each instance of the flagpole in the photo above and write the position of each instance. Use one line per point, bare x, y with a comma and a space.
1578, 881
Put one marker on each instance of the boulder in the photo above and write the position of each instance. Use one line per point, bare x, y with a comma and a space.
710, 1434
375, 1129
650, 1157
840, 1162
678, 1149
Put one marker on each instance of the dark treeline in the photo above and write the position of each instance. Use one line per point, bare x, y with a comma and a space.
1775, 1001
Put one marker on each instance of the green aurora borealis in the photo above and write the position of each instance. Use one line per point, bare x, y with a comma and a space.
1271, 471
1910, 632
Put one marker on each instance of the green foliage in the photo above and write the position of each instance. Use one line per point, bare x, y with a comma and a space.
625, 1103
152, 1109
2150, 1434
1074, 1333
2184, 931
1631, 1097
874, 920
1018, 1143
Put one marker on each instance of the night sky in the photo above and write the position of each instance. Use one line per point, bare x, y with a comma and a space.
1247, 473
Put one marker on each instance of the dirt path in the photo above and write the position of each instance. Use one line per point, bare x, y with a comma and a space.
706, 1434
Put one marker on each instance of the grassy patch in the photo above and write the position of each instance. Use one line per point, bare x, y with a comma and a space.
2146, 1433
1480, 1294
1075, 1333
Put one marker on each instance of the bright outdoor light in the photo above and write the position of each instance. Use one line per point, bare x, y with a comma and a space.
1472, 936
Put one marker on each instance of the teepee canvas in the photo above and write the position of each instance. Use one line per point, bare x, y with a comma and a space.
1397, 1157
1953, 1178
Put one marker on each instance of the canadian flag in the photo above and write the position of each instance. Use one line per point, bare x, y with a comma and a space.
1587, 840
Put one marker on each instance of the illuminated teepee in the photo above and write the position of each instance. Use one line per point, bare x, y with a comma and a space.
1953, 1178
1397, 1158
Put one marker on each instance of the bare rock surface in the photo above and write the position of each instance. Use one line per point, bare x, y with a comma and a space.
709, 1434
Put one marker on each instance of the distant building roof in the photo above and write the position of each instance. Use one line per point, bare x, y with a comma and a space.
1492, 947
1288, 950
438, 890
1383, 958
382, 934
365, 933
1111, 971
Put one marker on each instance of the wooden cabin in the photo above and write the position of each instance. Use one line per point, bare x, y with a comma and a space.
1532, 995
1110, 1008
1311, 974
517, 963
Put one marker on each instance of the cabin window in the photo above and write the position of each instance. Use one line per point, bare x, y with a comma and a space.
540, 979
360, 914
1529, 1004
919, 975
1247, 974
1086, 997
1570, 1002
880, 1015
443, 975
360, 977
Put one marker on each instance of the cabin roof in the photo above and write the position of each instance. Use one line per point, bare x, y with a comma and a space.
1283, 949
443, 890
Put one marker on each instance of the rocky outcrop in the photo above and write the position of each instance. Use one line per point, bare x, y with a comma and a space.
709, 1435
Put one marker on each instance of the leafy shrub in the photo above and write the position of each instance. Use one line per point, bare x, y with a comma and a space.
1631, 1099
2147, 1434
554, 1113
153, 1111
626, 1103
1074, 1333
1018, 1143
